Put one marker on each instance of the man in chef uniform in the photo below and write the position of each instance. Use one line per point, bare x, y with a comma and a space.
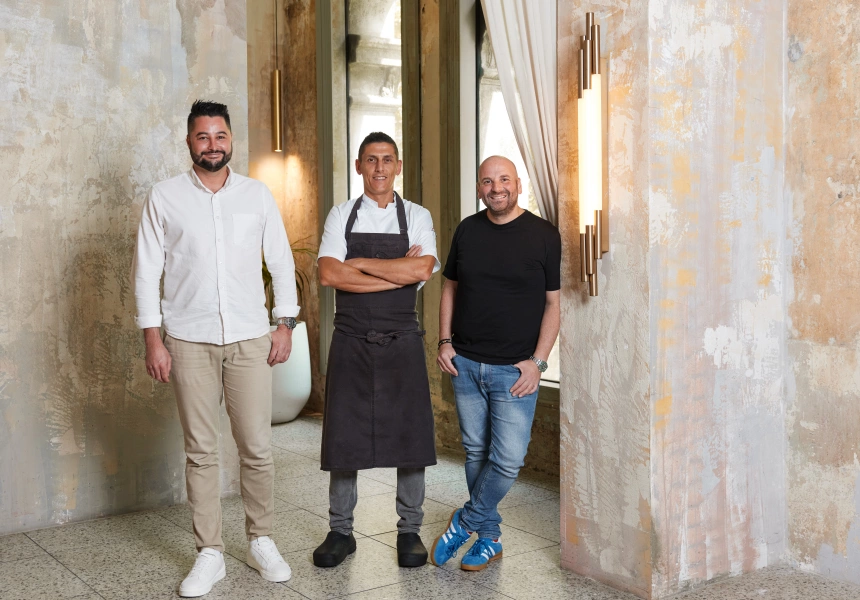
376, 251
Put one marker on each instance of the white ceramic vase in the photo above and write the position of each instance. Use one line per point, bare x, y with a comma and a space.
291, 381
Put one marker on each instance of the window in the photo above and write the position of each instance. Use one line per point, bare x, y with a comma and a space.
496, 137
495, 133
374, 82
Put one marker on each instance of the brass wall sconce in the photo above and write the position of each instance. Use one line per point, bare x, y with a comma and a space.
591, 118
277, 134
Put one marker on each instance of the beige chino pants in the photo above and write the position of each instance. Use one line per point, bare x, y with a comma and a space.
203, 374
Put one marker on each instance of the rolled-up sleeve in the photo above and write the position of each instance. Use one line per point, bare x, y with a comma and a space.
148, 264
279, 261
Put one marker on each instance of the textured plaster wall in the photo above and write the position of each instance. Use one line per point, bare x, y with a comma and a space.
292, 174
823, 421
605, 423
717, 289
93, 101
673, 436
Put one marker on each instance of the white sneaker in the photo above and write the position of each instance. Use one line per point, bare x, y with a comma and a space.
208, 569
263, 555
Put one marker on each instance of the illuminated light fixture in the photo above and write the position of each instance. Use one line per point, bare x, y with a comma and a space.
277, 136
590, 113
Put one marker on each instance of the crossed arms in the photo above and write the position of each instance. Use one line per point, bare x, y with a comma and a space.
363, 275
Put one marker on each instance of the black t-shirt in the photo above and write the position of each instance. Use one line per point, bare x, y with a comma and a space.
503, 273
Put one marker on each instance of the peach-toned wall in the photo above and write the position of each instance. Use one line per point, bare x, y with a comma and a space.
823, 422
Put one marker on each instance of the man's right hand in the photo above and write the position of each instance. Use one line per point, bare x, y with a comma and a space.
445, 359
158, 359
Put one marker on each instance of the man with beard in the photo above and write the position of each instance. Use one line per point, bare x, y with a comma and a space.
203, 231
376, 251
498, 320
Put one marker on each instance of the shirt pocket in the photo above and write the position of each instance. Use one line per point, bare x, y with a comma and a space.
247, 230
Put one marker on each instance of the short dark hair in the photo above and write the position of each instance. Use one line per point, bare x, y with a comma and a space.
205, 108
377, 137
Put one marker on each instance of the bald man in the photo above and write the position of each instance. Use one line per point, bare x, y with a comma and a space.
498, 320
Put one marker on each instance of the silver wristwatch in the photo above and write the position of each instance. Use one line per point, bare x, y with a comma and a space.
541, 364
290, 322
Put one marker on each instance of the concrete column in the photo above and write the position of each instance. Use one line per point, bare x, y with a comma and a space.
605, 353
673, 425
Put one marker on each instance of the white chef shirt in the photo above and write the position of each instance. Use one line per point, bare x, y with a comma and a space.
372, 219
208, 246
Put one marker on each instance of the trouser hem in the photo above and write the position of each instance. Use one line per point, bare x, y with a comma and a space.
411, 529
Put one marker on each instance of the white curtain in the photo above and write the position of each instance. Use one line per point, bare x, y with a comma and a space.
523, 36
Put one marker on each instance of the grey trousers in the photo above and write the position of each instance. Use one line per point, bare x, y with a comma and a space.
343, 495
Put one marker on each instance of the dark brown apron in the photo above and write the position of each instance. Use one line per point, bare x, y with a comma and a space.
377, 406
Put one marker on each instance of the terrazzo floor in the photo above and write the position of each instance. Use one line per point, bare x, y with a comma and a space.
145, 555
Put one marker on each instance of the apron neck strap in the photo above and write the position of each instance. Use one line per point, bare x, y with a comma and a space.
353, 215
401, 215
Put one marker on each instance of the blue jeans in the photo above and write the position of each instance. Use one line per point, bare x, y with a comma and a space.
496, 428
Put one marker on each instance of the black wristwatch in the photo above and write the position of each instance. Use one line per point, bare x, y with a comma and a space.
541, 364
290, 322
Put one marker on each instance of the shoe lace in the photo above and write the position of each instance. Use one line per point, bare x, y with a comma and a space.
267, 549
480, 548
458, 538
201, 564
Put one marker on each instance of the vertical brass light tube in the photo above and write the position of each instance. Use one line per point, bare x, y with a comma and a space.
589, 21
277, 142
598, 234
595, 52
590, 262
583, 272
581, 71
277, 136
589, 250
586, 60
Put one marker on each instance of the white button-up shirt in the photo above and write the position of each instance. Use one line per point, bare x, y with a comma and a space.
207, 245
372, 219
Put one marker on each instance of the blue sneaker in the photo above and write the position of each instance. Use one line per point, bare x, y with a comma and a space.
446, 545
483, 552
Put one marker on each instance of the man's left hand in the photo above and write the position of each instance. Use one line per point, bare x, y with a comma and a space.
282, 345
529, 379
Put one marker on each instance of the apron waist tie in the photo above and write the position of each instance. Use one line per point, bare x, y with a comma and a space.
383, 339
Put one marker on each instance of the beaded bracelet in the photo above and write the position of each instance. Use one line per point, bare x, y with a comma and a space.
445, 341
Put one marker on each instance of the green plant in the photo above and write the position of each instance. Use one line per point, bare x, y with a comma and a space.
303, 279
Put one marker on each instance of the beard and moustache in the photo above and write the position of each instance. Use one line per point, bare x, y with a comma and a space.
208, 164
508, 207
